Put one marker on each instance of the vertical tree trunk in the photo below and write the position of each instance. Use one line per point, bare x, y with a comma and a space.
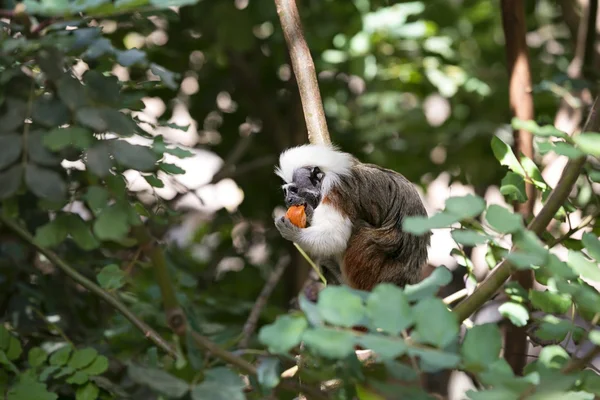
521, 105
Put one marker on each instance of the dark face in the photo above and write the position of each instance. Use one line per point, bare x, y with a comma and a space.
305, 188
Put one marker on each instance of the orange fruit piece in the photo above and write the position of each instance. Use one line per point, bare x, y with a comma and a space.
297, 216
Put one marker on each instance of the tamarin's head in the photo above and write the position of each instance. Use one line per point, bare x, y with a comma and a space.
310, 171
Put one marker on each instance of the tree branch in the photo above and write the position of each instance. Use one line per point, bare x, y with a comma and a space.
89, 285
578, 363
538, 225
521, 105
304, 70
261, 301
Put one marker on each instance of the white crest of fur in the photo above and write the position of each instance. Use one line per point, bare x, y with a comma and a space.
330, 160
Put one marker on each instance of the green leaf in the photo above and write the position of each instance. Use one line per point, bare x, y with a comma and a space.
140, 158
14, 349
158, 380
112, 224
268, 372
131, 57
535, 129
225, 377
81, 233
4, 338
567, 150
45, 183
119, 123
160, 146
328, 342
111, 277
505, 155
586, 268
49, 111
14, 115
481, 347
38, 153
98, 159
588, 142
76, 136
71, 92
52, 234
78, 378
61, 356
7, 363
497, 393
468, 237
556, 303
517, 313
93, 118
464, 207
429, 286
435, 324
166, 76
283, 334
97, 198
311, 311
502, 220
388, 309
220, 384
101, 88
386, 347
47, 372
435, 360
339, 306
82, 358
419, 225
154, 181
10, 181
553, 328
27, 388
87, 392
171, 168
594, 337
553, 356
36, 356
534, 173
97, 367
513, 187
11, 146
592, 244
215, 391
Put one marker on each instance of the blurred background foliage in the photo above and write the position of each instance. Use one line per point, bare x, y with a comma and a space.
420, 87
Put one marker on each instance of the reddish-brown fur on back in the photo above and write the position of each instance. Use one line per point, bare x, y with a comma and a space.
378, 251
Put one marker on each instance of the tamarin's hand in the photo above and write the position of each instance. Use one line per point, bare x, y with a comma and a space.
287, 230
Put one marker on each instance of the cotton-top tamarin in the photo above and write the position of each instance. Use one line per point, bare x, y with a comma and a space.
354, 214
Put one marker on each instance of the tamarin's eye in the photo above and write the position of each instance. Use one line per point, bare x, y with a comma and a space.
316, 174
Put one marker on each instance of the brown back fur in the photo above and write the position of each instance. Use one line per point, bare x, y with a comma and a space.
377, 199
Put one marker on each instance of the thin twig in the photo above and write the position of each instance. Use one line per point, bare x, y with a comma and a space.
584, 222
456, 296
261, 301
304, 70
538, 225
579, 363
312, 264
89, 285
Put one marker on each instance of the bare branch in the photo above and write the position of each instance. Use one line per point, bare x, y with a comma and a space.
261, 301
304, 69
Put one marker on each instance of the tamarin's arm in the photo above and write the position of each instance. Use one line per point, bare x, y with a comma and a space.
327, 235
